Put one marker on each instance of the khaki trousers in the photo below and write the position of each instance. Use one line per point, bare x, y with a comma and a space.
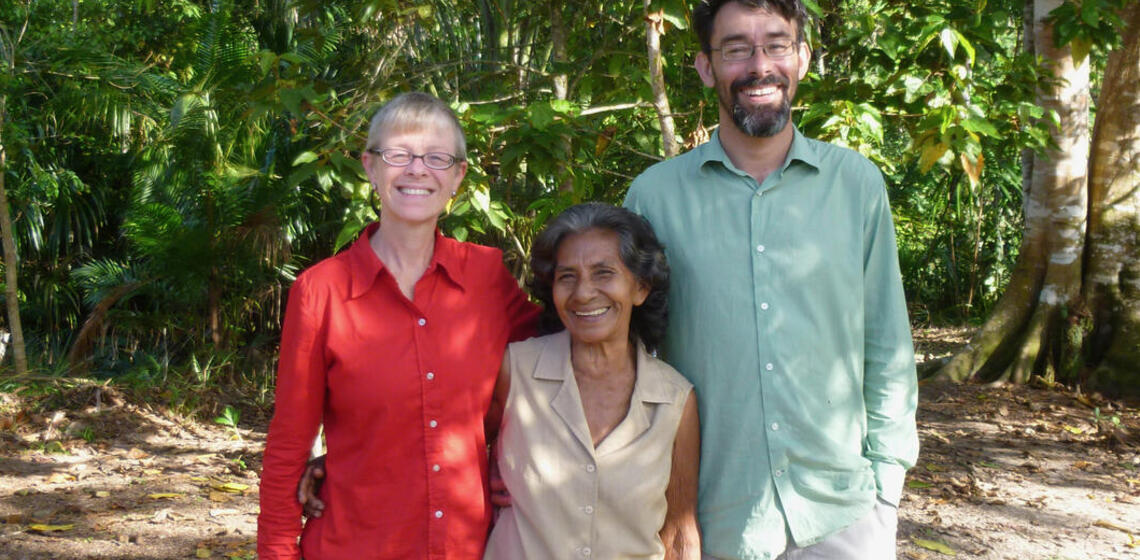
872, 537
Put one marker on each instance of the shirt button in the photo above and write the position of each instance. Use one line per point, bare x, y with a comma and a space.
775, 426
433, 423
768, 366
422, 322
430, 376
759, 248
435, 468
779, 473
591, 468
438, 513
589, 510
764, 306
586, 551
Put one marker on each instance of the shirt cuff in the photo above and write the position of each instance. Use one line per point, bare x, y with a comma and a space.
889, 479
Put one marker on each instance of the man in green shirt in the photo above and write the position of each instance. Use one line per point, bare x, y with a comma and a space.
787, 309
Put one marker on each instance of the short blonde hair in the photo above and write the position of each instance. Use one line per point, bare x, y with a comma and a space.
414, 111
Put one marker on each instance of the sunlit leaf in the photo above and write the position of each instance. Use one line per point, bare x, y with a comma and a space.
231, 487
164, 496
949, 40
931, 153
936, 546
42, 528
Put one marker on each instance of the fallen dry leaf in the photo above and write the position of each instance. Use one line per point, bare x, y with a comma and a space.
936, 546
1110, 525
203, 552
58, 477
231, 487
164, 496
136, 453
216, 496
42, 528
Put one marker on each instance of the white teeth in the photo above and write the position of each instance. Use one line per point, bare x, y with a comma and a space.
759, 92
593, 313
414, 191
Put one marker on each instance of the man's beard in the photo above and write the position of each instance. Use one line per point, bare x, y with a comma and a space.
763, 121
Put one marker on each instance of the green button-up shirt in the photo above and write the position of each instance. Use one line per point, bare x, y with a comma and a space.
787, 313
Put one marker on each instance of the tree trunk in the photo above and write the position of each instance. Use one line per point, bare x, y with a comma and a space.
1022, 335
654, 26
1112, 273
561, 92
11, 259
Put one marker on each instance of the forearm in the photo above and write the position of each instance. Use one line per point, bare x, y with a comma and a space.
682, 538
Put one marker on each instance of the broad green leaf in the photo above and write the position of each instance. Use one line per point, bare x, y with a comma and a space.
966, 46
541, 115
980, 126
304, 157
561, 106
676, 12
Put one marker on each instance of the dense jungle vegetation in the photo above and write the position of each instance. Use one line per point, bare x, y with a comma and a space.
168, 167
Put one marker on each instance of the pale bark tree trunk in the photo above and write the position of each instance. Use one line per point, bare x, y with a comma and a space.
11, 258
1020, 337
1112, 274
654, 26
561, 91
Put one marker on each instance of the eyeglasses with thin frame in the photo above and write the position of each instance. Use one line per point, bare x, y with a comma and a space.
736, 51
399, 157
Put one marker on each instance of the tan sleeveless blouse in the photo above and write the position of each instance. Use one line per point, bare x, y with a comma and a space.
572, 501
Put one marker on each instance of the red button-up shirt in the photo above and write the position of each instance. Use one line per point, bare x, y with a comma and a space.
402, 388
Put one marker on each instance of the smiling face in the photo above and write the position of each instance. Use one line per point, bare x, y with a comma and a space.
414, 194
754, 94
593, 291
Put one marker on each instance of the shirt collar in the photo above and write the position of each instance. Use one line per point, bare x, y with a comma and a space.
649, 387
801, 150
365, 266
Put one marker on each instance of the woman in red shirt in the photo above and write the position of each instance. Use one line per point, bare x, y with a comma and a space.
394, 344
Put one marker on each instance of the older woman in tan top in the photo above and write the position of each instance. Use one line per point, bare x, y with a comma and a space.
599, 442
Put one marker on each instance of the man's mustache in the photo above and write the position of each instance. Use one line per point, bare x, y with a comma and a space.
756, 81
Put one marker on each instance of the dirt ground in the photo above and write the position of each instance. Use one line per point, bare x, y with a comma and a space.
1005, 473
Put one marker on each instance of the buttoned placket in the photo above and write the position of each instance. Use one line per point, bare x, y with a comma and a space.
431, 409
762, 272
585, 548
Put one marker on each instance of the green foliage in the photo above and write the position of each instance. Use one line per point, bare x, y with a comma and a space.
173, 165
1086, 25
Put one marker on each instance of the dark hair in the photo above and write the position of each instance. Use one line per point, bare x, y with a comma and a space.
640, 251
705, 13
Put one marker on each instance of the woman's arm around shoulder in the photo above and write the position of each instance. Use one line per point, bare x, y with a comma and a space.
681, 533
499, 495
